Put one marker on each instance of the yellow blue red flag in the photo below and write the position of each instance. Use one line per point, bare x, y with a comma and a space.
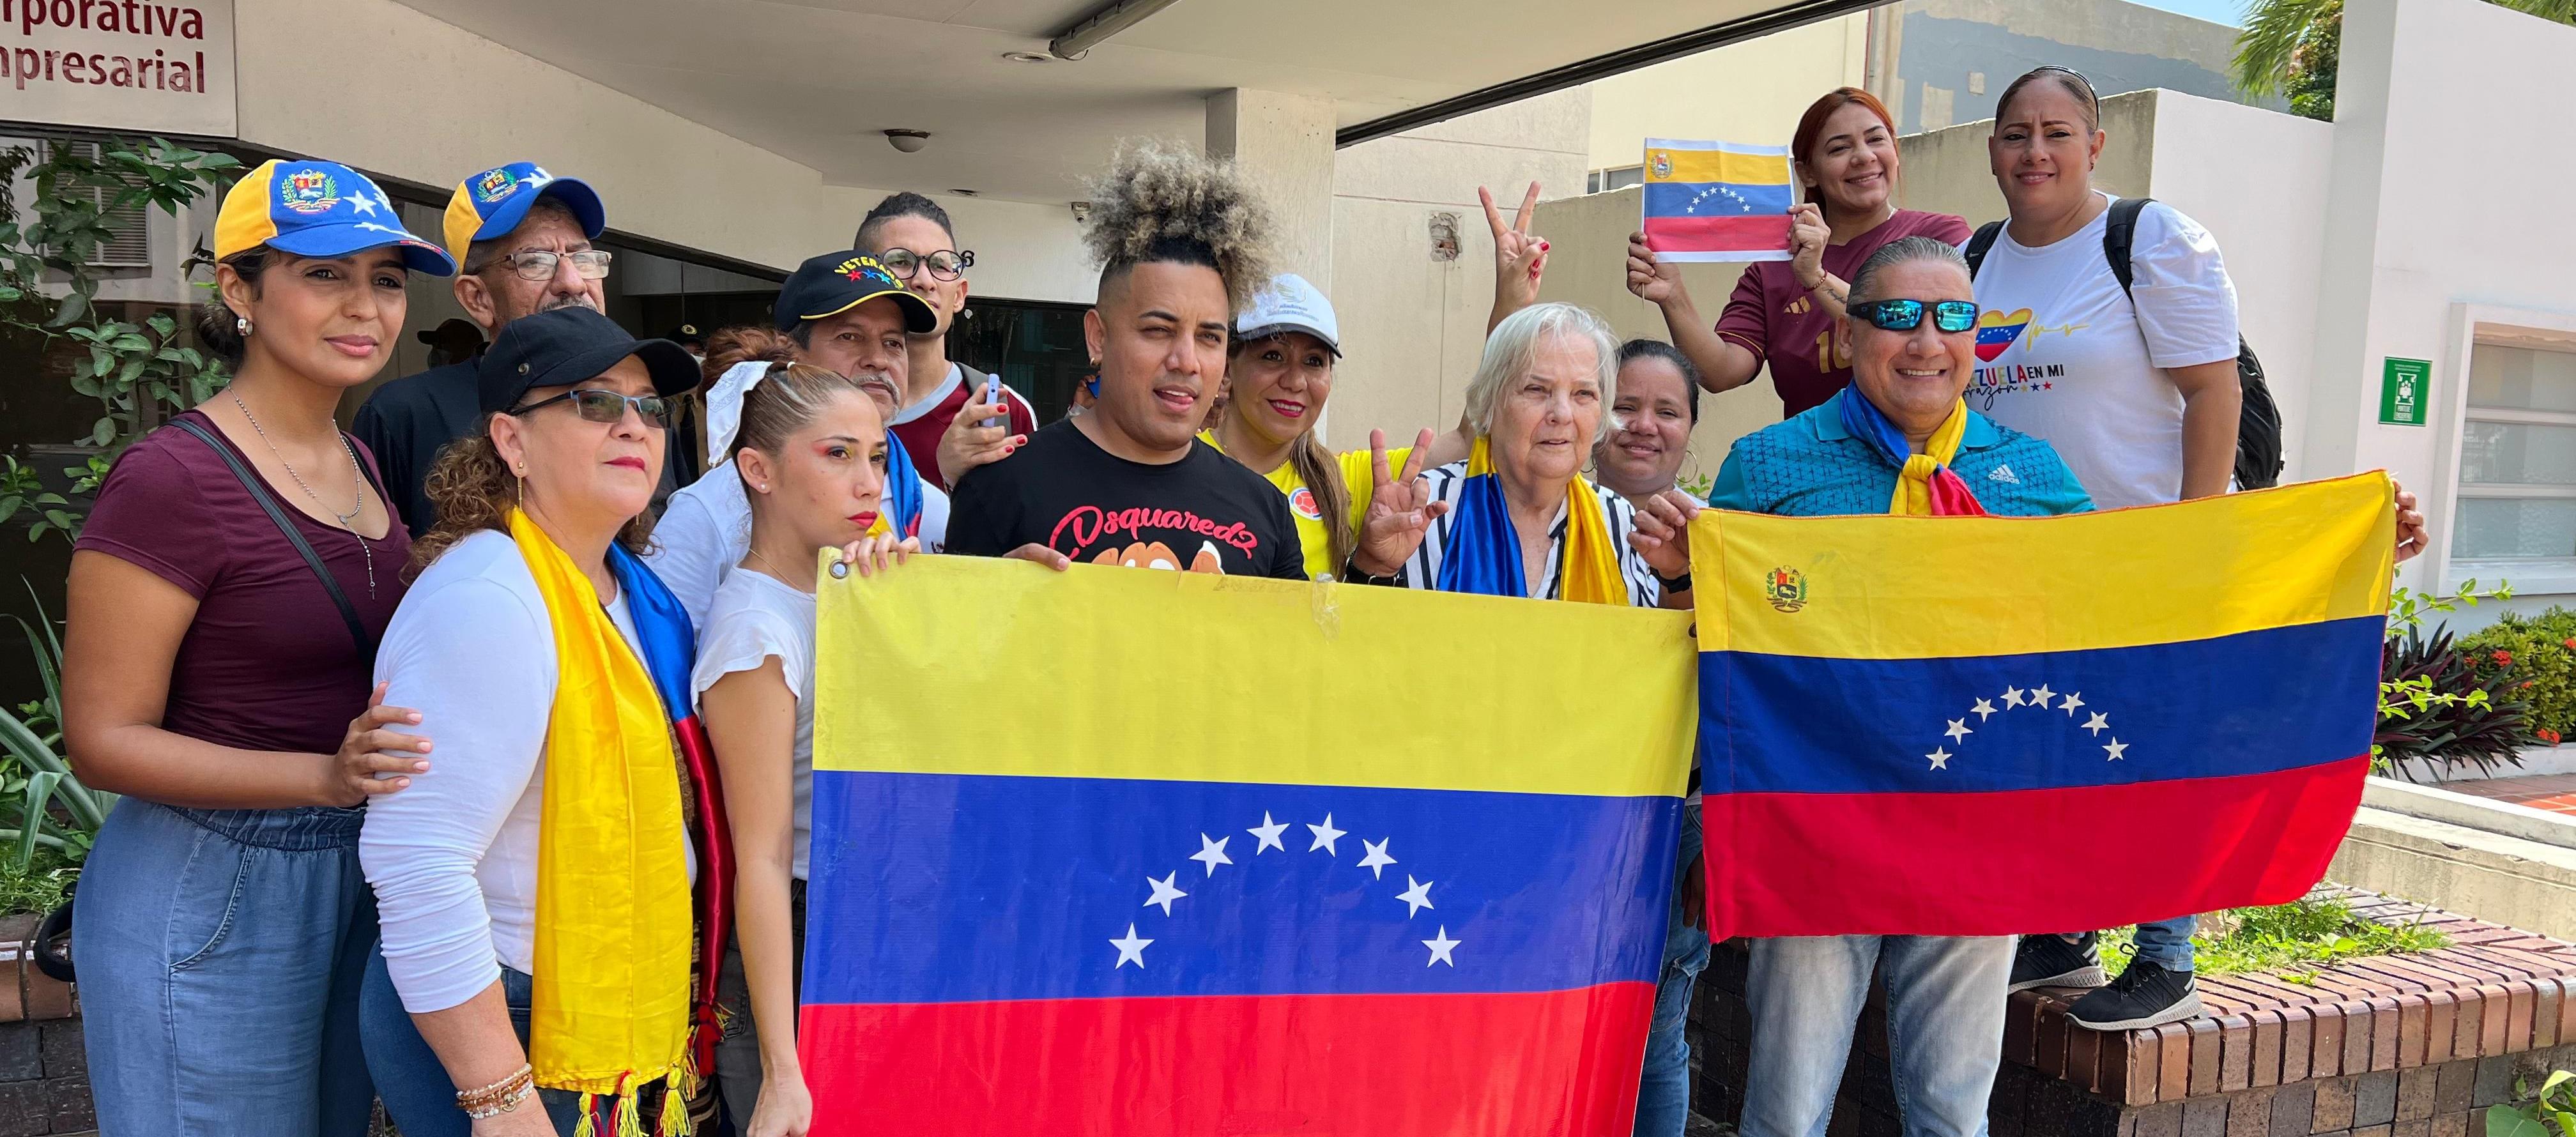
1148, 853
1990, 725
1716, 201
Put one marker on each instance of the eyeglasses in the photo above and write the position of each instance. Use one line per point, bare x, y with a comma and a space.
1907, 315
944, 265
595, 404
539, 264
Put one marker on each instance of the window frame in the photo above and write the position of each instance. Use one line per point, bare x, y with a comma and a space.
2476, 326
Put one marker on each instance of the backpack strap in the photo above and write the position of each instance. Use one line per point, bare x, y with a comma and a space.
2118, 231
1983, 240
295, 537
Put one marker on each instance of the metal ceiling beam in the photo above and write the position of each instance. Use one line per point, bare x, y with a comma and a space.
1601, 66
1092, 30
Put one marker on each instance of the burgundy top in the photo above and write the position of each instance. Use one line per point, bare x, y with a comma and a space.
268, 663
1773, 317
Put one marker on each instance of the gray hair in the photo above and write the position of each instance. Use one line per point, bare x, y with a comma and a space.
1903, 250
1513, 347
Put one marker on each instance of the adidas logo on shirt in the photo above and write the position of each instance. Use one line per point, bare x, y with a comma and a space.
2003, 474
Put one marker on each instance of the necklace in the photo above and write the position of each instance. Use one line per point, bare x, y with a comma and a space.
348, 521
774, 574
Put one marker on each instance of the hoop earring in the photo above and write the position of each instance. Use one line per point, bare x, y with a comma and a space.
241, 325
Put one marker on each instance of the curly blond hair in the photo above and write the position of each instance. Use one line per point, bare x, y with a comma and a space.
1158, 204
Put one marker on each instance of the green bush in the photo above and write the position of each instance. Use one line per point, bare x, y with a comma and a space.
2292, 941
2536, 656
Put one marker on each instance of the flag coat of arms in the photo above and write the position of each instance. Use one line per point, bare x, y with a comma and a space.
1716, 201
1126, 852
1996, 725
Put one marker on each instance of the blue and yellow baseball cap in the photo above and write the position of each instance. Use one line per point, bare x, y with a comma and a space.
492, 203
317, 209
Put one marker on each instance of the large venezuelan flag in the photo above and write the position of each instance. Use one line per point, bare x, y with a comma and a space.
1980, 726
1141, 853
1716, 201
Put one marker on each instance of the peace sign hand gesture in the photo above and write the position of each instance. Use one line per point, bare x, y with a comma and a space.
1400, 509
1519, 258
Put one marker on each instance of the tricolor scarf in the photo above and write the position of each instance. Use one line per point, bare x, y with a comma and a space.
615, 1006
902, 512
1483, 555
1925, 483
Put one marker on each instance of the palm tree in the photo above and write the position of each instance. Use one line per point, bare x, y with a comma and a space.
2290, 48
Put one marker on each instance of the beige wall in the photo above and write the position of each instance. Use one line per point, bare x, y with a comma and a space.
1413, 325
1946, 171
470, 103
1746, 92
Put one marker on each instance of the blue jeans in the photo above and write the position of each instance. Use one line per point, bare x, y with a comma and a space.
1663, 1090
1945, 1028
2167, 943
219, 954
418, 1094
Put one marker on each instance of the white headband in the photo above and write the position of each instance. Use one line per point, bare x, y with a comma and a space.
724, 407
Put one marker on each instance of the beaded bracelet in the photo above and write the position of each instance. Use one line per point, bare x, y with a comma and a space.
499, 1097
504, 1104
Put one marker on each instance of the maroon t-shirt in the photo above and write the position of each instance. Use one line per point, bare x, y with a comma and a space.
1777, 320
268, 663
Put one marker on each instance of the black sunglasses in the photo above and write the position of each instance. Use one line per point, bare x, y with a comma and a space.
596, 404
1907, 315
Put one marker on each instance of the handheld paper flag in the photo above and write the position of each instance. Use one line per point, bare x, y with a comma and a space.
1716, 201
1145, 853
1981, 726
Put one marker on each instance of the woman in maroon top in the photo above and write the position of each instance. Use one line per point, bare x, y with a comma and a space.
1783, 312
212, 676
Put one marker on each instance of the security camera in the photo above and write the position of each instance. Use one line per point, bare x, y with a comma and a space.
908, 141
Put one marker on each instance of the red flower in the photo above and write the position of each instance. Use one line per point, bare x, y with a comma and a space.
2547, 735
2571, 643
2503, 658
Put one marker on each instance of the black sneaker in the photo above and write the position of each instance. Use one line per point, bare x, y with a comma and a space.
2143, 995
2051, 961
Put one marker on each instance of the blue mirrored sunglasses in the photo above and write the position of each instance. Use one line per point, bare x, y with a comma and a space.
1907, 315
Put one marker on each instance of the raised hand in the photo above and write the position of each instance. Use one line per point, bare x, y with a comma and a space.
1808, 237
1650, 279
979, 435
1400, 510
1519, 258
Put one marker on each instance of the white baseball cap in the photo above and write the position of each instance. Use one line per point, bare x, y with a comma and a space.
1289, 304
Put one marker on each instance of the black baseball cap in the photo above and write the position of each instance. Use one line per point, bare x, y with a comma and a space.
568, 346
834, 283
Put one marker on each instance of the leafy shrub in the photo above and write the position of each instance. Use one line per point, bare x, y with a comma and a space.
2538, 662
2444, 712
2291, 940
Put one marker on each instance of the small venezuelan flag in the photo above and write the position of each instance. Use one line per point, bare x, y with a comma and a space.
1988, 725
1159, 854
1716, 201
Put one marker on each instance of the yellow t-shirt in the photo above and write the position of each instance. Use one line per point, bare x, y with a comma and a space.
1304, 503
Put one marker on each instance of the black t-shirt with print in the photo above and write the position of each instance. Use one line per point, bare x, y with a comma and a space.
1204, 513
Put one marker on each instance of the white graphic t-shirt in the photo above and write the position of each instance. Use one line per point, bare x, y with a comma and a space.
2062, 355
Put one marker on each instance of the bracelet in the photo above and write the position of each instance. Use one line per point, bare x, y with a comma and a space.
1353, 573
1675, 584
501, 1096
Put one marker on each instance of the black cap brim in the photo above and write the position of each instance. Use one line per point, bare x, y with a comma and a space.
918, 317
673, 370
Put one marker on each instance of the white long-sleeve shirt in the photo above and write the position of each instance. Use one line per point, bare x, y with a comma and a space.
453, 857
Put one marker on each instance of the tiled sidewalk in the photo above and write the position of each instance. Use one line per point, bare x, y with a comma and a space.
2555, 793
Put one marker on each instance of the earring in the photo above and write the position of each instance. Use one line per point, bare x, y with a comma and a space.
241, 324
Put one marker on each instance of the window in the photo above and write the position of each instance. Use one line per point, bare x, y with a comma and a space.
1603, 181
128, 244
2517, 497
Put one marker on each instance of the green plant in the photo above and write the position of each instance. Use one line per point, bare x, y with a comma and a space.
2292, 48
2538, 666
2410, 700
138, 372
2292, 940
42, 802
2435, 709
2549, 1111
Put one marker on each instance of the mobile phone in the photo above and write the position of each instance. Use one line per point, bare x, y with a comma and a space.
993, 394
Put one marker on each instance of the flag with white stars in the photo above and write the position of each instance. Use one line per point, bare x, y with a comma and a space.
1210, 866
1716, 201
1991, 725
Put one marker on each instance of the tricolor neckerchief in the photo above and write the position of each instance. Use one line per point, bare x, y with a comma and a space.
615, 1007
1483, 554
1925, 483
901, 514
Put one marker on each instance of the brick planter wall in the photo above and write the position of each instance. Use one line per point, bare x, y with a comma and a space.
2393, 1046
44, 1075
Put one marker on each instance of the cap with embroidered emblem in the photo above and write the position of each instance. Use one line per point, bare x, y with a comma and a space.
493, 203
317, 209
837, 282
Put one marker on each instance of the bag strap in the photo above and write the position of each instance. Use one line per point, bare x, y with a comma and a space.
1983, 240
277, 513
2118, 232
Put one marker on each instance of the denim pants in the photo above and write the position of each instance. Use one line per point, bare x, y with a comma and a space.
2167, 943
220, 953
418, 1094
1663, 1089
1945, 1028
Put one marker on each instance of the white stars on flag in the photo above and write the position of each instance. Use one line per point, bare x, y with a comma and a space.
1212, 853
1132, 950
1441, 945
1164, 891
1325, 836
1268, 834
1376, 860
2040, 697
